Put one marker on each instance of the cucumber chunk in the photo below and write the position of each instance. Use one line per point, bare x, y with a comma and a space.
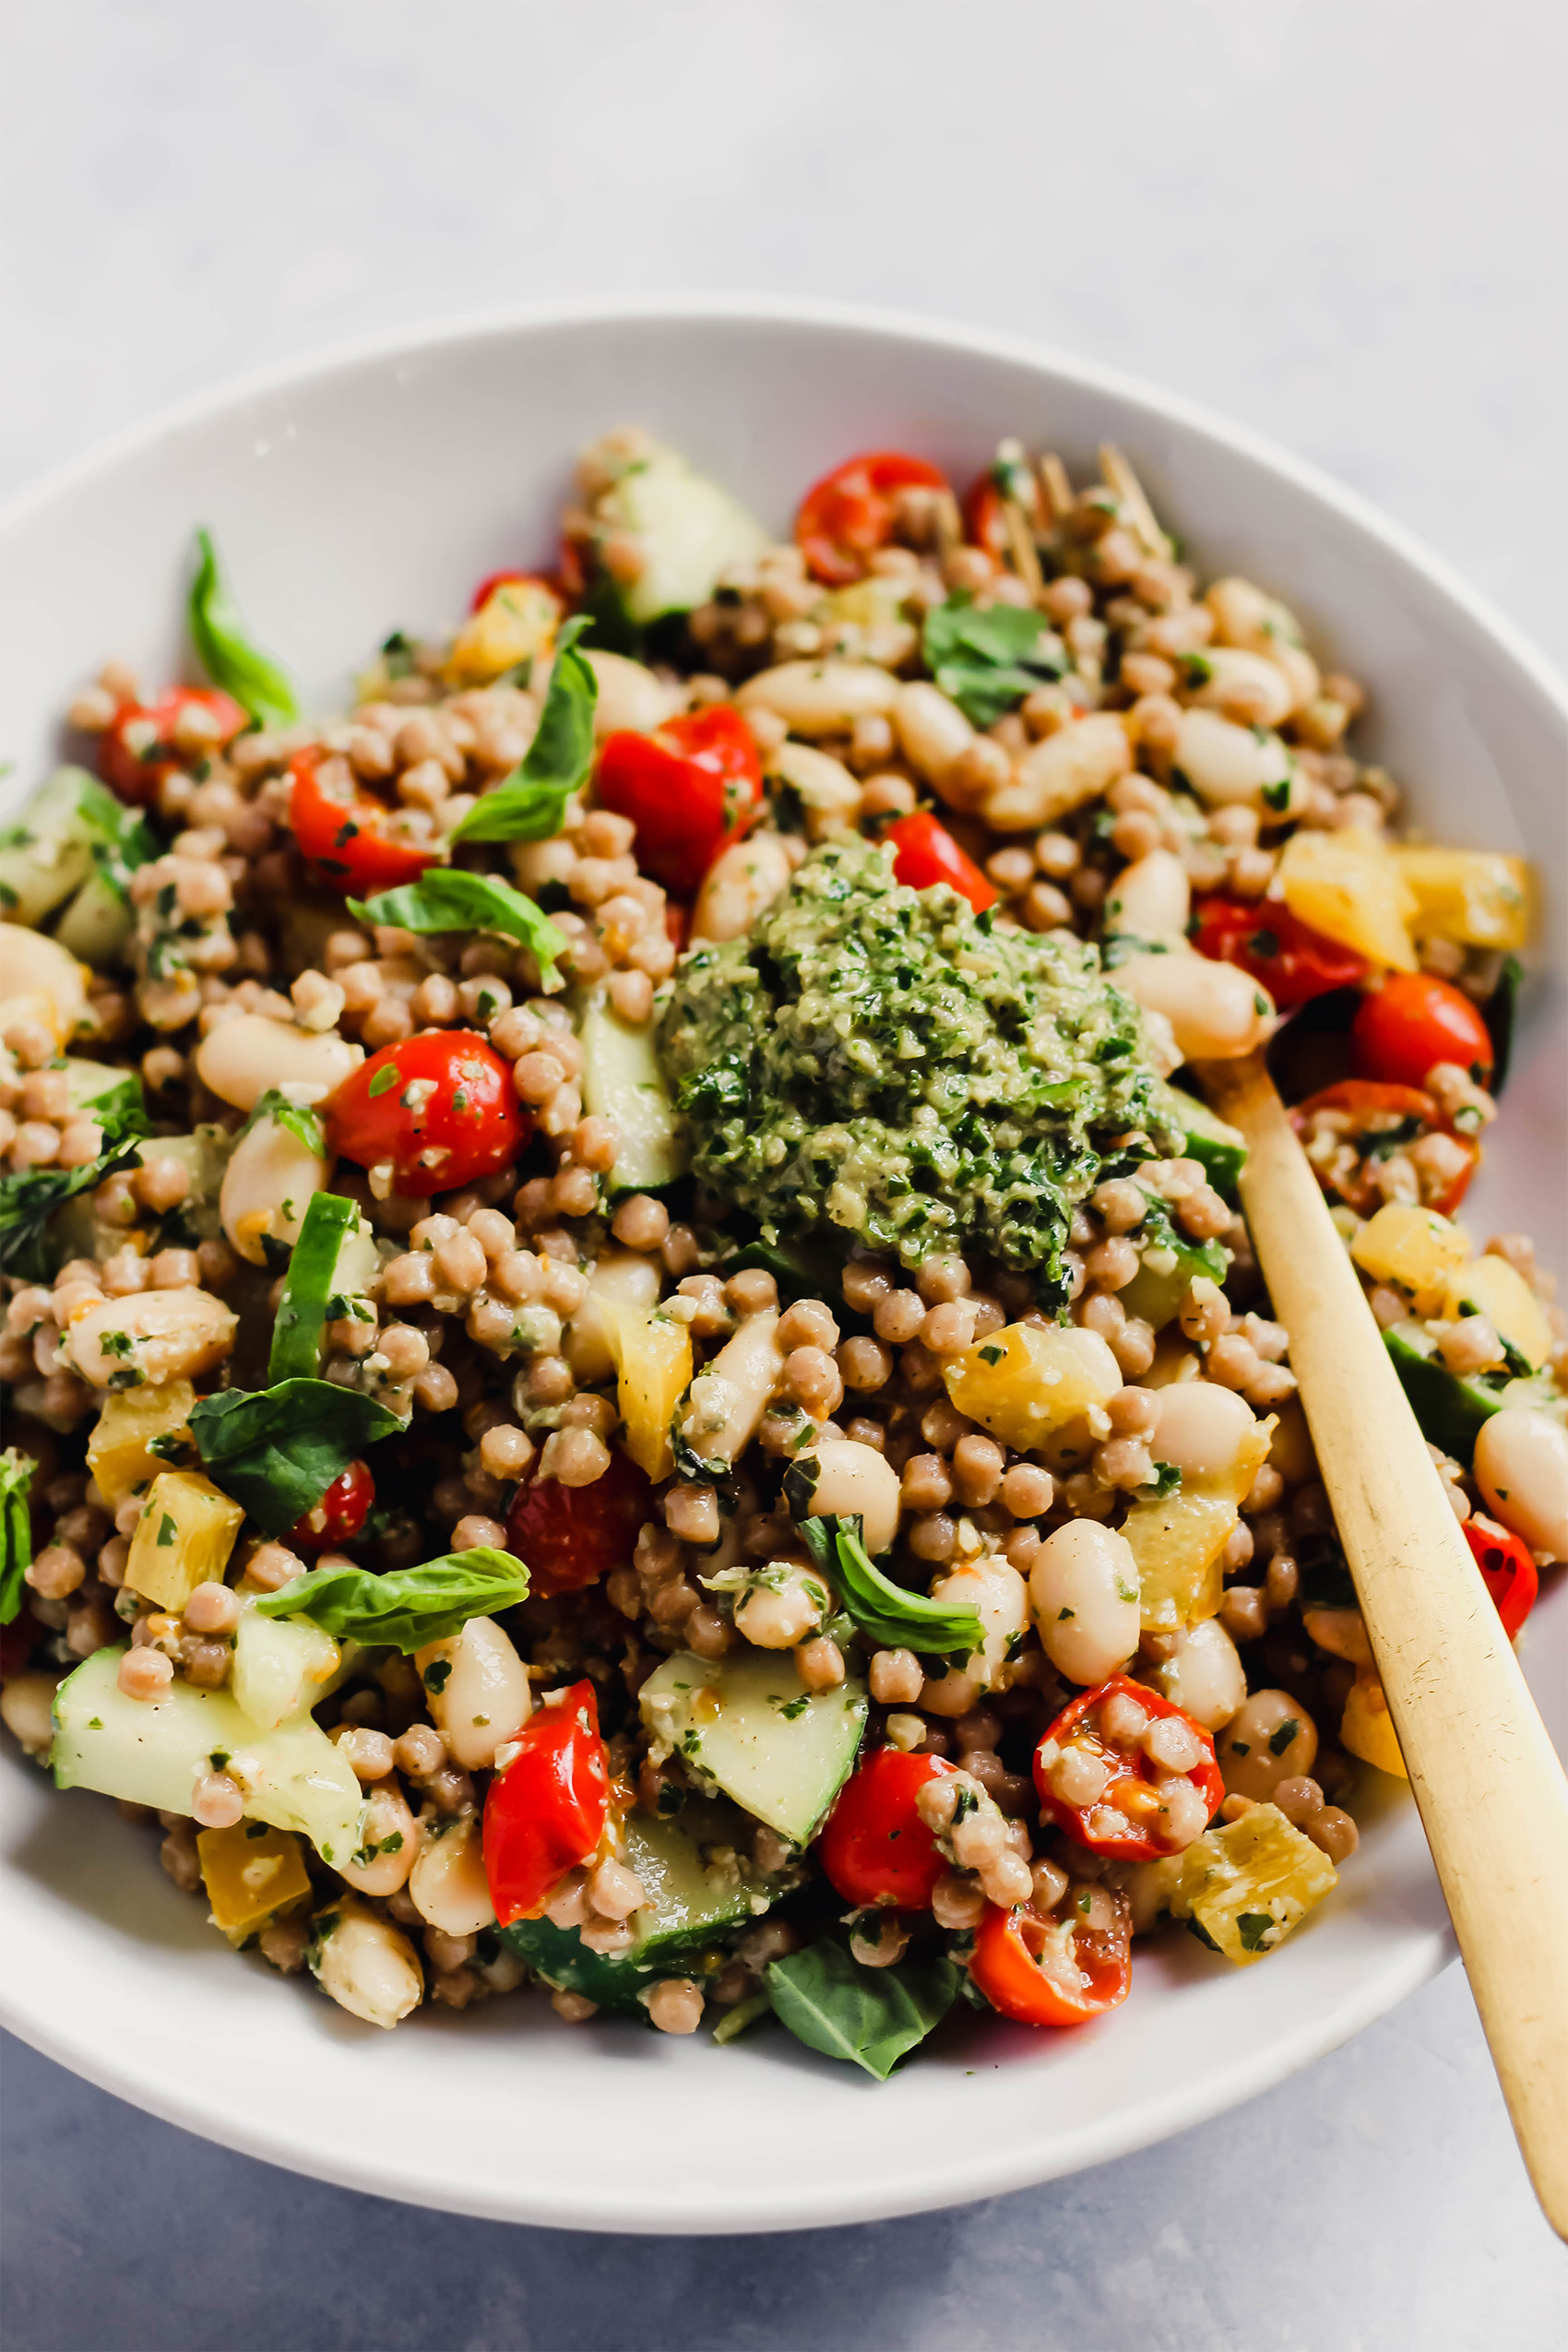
746, 1724
1221, 1147
1451, 1406
690, 531
621, 1080
329, 1268
1172, 1263
98, 921
152, 1752
47, 854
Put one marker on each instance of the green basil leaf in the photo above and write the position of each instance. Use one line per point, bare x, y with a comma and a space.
1167, 1479
301, 1122
868, 2016
16, 1531
408, 1607
989, 661
530, 805
447, 899
278, 1450
226, 654
29, 1198
881, 1609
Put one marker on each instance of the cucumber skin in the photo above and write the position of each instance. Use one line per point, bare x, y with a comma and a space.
560, 1956
1216, 1145
302, 1315
1449, 1410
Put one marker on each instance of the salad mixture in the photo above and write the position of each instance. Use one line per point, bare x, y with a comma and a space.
632, 1364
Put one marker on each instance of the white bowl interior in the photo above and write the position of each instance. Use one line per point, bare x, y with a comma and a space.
370, 495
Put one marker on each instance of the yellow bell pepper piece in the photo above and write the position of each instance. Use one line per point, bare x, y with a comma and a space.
1414, 1249
250, 1873
118, 1452
1491, 1287
1178, 1539
1367, 1727
1025, 1381
1349, 886
516, 622
182, 1539
1249, 1883
1477, 897
653, 1358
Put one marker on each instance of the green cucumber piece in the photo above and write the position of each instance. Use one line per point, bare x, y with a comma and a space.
98, 922
152, 1752
1221, 1147
690, 531
621, 1080
1449, 1406
330, 1235
47, 853
745, 1725
1172, 1263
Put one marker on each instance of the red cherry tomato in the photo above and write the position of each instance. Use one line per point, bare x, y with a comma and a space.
1415, 1020
1377, 1110
924, 853
1293, 962
546, 1810
688, 788
1122, 1820
875, 1848
984, 523
571, 1536
494, 580
340, 1513
846, 516
137, 750
1041, 1970
441, 1107
348, 841
1507, 1567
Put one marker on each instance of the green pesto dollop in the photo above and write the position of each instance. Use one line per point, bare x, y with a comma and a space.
883, 1060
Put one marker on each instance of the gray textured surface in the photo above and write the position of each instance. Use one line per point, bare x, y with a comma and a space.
1343, 223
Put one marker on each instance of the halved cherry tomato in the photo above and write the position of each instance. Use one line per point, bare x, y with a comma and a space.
571, 1536
1263, 938
924, 853
688, 788
347, 841
1506, 1564
1122, 1821
1377, 1110
1044, 1969
340, 1513
875, 1848
137, 750
984, 523
847, 516
1414, 1020
546, 1810
441, 1108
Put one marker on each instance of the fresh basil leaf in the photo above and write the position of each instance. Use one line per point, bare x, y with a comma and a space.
226, 654
988, 661
530, 805
16, 1531
302, 1123
447, 899
408, 1607
868, 2016
1166, 1480
29, 1198
278, 1450
881, 1609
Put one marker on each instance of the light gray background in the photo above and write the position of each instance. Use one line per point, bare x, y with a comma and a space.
1341, 220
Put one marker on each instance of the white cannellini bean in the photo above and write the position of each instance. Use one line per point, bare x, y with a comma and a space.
1522, 1469
1151, 898
625, 1280
1060, 774
1244, 615
932, 732
484, 1699
1201, 1428
1215, 1010
820, 698
242, 1058
1203, 1675
168, 1335
742, 882
27, 1706
41, 982
745, 1375
1255, 679
1230, 766
447, 1885
391, 1838
999, 1597
267, 1187
855, 1477
1270, 1738
366, 1967
827, 790
1083, 1594
629, 694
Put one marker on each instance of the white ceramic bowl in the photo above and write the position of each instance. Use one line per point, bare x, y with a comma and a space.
370, 493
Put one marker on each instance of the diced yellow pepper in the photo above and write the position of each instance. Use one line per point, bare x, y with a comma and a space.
1491, 1287
1477, 897
1413, 1247
1025, 1381
1249, 1883
1348, 885
1367, 1727
1178, 1539
182, 1539
250, 1873
118, 1452
516, 622
653, 1358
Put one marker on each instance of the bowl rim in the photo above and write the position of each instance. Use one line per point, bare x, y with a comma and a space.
1425, 1951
